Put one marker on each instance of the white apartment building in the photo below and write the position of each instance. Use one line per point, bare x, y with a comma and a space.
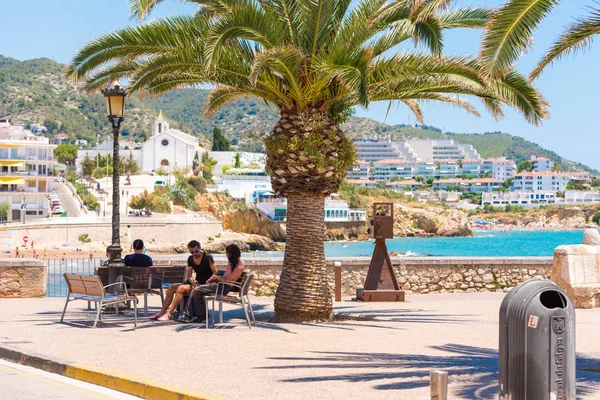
541, 164
581, 197
472, 167
390, 169
442, 150
478, 185
500, 168
360, 170
405, 185
26, 164
242, 183
540, 182
517, 198
580, 176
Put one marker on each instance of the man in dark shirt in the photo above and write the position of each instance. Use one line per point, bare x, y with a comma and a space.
138, 258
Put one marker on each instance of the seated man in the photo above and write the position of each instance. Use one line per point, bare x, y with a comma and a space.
195, 309
138, 258
203, 265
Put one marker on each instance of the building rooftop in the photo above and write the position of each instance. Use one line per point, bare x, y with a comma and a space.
361, 181
484, 180
408, 182
394, 161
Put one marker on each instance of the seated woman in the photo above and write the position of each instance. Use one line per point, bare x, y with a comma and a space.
203, 265
195, 310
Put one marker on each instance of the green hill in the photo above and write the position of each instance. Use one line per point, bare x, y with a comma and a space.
35, 91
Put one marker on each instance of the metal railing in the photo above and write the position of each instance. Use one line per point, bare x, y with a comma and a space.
55, 282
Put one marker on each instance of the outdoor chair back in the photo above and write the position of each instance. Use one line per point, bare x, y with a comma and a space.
90, 289
241, 299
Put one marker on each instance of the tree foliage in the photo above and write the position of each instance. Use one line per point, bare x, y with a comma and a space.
525, 166
220, 142
65, 153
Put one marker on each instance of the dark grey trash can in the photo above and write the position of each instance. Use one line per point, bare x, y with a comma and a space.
536, 360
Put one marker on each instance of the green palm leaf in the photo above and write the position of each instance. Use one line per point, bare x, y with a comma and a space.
510, 33
577, 38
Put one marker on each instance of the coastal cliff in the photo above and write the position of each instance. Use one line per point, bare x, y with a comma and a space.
409, 222
545, 218
429, 221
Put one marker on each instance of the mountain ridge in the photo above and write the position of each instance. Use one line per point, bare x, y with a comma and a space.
35, 91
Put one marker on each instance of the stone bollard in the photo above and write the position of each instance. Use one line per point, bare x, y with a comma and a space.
591, 237
438, 385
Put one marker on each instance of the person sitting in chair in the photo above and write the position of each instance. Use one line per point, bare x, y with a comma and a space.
195, 309
203, 265
138, 258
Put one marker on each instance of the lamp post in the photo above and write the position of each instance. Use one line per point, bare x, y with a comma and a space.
114, 95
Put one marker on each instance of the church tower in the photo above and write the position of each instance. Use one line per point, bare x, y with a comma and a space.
160, 125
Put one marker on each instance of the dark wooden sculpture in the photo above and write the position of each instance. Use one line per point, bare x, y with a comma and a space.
381, 283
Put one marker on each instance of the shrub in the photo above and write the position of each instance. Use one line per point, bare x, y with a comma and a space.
198, 183
84, 238
596, 218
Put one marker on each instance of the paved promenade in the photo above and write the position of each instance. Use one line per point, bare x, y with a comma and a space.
373, 350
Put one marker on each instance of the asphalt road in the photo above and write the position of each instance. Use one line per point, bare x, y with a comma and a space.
68, 202
26, 383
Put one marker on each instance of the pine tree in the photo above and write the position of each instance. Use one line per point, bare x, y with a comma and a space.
220, 142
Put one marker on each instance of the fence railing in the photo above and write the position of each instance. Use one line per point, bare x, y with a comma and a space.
55, 283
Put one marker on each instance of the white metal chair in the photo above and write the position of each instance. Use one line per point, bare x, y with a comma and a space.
241, 299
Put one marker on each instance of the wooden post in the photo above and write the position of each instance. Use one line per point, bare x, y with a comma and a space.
439, 385
338, 281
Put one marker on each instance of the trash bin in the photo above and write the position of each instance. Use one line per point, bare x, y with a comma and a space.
536, 359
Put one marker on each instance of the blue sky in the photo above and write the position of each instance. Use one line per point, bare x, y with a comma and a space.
57, 29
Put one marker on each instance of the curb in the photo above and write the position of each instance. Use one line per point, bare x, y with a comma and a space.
124, 383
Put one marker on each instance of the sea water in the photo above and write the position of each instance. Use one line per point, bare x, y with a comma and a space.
484, 244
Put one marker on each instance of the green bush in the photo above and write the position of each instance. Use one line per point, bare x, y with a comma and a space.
89, 200
84, 238
198, 183
596, 218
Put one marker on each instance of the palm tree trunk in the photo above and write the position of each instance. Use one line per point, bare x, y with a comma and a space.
303, 293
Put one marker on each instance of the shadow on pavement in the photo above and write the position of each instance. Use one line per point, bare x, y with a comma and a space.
473, 371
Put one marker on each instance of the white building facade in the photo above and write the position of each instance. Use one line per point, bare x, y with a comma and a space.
541, 164
540, 182
169, 148
26, 167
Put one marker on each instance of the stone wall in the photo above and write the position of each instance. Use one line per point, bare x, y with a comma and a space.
157, 236
576, 270
25, 277
418, 274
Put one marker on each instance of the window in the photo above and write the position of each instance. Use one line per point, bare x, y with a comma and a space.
164, 142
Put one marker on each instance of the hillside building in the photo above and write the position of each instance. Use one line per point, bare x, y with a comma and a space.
499, 168
540, 182
26, 167
541, 164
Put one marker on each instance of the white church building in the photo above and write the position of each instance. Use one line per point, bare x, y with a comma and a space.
171, 149
168, 147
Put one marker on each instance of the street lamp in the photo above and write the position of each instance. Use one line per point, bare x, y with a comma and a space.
114, 95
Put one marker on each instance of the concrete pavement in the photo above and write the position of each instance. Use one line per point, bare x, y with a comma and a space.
67, 200
26, 383
372, 350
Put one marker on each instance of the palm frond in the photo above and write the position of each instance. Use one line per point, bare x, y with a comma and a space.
577, 38
219, 96
510, 32
466, 18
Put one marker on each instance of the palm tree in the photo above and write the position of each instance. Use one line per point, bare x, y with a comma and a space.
556, 167
510, 34
313, 61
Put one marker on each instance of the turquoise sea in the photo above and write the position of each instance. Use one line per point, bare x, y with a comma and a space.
483, 244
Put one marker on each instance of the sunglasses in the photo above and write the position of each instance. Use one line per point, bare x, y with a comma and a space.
195, 251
